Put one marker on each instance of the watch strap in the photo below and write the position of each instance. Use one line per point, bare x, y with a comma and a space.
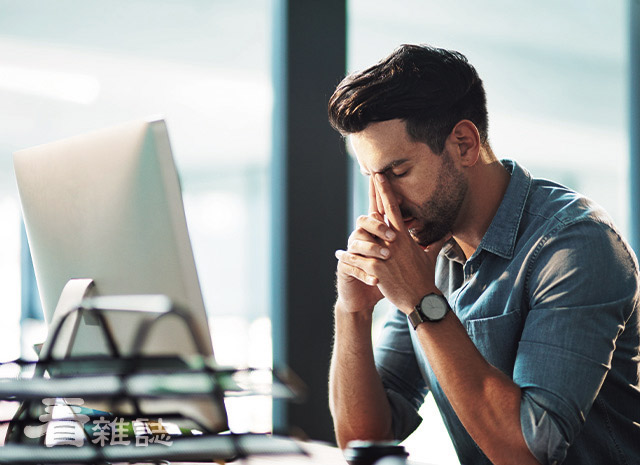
415, 318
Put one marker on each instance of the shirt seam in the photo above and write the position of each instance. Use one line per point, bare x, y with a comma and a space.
607, 422
560, 226
462, 288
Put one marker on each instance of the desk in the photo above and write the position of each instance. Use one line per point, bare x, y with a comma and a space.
319, 453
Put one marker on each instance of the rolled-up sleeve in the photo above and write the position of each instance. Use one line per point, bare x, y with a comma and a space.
400, 374
582, 288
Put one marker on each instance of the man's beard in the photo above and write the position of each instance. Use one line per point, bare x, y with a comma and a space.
437, 216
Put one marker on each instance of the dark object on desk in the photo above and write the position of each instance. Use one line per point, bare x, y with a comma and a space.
370, 452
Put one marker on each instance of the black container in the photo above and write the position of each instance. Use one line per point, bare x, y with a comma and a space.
369, 452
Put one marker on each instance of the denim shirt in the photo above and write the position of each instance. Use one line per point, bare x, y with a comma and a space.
549, 298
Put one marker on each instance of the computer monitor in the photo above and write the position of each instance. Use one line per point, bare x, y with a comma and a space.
107, 206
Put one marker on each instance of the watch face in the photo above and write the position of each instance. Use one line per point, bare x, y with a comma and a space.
434, 307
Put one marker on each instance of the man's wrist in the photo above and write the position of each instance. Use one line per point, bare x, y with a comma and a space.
360, 322
415, 299
359, 312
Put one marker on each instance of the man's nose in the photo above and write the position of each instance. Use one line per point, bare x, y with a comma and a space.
398, 196
399, 199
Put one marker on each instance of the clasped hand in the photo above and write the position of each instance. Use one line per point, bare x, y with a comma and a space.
383, 260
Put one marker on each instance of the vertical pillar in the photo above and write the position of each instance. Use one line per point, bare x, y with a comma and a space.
309, 202
634, 123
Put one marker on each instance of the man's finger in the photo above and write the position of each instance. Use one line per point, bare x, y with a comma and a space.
379, 201
368, 249
373, 201
372, 227
350, 269
390, 205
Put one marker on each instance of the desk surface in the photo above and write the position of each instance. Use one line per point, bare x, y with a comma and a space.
319, 453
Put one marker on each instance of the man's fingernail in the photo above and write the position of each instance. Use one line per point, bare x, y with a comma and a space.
380, 177
384, 252
390, 235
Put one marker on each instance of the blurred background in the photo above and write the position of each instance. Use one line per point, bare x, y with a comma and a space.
555, 72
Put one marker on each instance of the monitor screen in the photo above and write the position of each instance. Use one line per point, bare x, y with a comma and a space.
107, 206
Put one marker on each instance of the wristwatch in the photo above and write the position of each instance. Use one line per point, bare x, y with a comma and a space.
432, 307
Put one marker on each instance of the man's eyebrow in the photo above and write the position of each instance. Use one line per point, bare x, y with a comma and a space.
388, 166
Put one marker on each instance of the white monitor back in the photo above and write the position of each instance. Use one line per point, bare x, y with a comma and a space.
108, 206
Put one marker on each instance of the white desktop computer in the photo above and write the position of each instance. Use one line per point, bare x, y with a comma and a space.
107, 206
103, 212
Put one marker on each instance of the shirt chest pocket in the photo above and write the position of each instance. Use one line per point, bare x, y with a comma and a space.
497, 338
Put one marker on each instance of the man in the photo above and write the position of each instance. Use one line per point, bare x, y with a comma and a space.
516, 297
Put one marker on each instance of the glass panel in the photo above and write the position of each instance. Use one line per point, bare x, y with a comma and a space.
555, 78
75, 65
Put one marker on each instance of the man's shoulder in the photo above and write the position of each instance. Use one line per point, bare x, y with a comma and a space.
560, 222
554, 207
571, 234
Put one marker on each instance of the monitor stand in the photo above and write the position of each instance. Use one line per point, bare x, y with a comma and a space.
72, 295
70, 317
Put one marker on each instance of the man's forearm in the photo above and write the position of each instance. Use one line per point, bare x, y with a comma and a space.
486, 401
358, 402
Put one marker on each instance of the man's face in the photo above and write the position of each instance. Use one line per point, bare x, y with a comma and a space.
429, 188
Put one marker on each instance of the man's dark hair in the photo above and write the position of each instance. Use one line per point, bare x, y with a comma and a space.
431, 89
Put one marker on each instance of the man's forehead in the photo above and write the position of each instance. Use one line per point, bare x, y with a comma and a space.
384, 168
371, 157
382, 146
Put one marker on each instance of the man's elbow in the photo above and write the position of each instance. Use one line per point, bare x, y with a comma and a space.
361, 431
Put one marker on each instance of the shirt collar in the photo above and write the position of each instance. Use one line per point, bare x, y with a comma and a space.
501, 236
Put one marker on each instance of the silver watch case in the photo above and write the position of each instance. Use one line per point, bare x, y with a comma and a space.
432, 308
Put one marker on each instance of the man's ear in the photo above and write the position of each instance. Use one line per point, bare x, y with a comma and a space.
464, 141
